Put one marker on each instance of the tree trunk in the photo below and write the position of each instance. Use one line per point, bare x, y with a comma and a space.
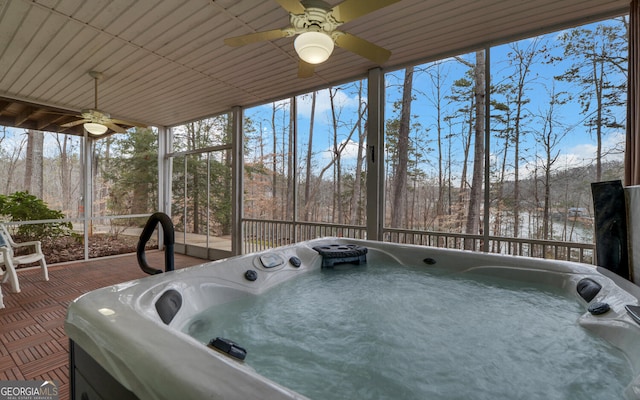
287, 167
465, 163
65, 171
337, 171
441, 187
475, 196
400, 178
307, 184
357, 182
33, 181
274, 165
598, 82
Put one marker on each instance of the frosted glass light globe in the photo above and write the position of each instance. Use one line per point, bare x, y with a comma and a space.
313, 47
94, 128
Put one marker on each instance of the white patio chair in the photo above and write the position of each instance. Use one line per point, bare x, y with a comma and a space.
11, 261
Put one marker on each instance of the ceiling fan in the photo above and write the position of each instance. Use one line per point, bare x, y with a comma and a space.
99, 122
315, 24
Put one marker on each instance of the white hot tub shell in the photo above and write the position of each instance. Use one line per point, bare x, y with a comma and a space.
118, 335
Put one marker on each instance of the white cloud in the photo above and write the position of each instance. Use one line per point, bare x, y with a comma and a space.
350, 151
585, 153
323, 102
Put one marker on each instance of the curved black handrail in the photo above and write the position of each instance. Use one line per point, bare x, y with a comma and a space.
169, 240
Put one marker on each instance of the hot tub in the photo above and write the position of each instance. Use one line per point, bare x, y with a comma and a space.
188, 334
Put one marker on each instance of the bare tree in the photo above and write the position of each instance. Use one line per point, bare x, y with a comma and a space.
462, 92
64, 144
274, 162
475, 196
437, 79
478, 122
14, 157
336, 153
307, 183
400, 174
337, 165
356, 209
522, 60
599, 55
549, 137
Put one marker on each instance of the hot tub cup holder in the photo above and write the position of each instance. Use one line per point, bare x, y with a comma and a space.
334, 254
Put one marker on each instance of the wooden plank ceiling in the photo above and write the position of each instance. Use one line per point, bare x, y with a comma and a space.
165, 63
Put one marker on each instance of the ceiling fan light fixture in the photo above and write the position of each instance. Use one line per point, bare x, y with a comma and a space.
313, 47
95, 128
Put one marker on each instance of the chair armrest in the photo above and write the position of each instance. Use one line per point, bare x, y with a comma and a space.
35, 243
32, 243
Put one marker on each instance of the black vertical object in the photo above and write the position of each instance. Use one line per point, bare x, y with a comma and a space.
169, 240
610, 220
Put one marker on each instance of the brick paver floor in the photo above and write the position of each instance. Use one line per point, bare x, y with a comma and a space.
33, 344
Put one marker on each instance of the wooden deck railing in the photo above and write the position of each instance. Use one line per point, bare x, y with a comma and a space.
264, 234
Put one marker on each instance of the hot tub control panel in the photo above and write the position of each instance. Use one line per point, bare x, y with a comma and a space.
271, 260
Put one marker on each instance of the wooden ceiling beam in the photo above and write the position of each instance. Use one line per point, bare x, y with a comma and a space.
4, 105
24, 115
49, 120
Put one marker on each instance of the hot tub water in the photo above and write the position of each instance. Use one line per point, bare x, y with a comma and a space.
385, 331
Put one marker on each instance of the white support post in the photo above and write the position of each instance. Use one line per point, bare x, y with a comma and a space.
87, 200
237, 163
165, 144
375, 154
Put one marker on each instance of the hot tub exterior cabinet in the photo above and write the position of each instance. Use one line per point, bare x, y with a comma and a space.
89, 381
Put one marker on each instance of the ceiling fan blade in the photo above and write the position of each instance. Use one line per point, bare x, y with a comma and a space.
305, 70
129, 123
361, 47
255, 37
75, 123
352, 9
292, 6
115, 128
